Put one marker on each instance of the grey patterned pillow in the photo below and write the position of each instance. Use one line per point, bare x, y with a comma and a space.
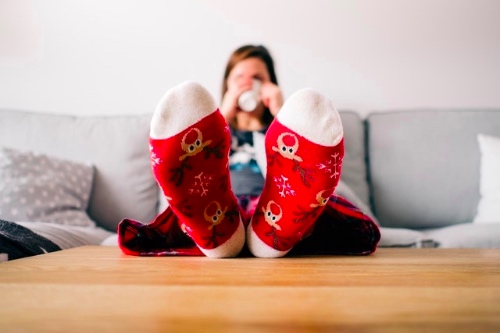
40, 188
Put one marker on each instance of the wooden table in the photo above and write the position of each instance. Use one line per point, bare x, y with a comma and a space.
98, 289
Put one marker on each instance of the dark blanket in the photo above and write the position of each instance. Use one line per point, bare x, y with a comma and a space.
341, 229
19, 242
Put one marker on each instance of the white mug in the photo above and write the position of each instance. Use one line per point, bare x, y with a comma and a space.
249, 99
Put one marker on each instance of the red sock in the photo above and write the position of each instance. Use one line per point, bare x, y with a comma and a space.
189, 144
305, 148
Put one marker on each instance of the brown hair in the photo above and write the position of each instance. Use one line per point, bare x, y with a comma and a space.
252, 51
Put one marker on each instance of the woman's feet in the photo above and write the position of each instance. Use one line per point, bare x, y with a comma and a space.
305, 148
189, 145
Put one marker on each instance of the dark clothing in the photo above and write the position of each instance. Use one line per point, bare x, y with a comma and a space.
246, 176
19, 242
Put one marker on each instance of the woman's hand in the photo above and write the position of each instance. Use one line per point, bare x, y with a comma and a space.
271, 97
229, 106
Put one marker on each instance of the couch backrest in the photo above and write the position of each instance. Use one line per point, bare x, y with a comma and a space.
117, 146
354, 171
424, 165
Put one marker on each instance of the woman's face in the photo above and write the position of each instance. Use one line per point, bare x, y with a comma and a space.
245, 71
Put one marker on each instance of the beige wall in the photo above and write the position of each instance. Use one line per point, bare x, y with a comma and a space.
119, 56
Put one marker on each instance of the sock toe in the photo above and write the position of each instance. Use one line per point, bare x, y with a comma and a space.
181, 107
314, 116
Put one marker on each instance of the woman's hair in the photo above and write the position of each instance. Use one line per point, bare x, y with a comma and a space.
251, 51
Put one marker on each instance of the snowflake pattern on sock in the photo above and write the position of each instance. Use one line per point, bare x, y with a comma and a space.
200, 185
284, 187
332, 166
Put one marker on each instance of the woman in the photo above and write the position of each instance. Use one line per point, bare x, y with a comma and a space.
246, 65
283, 204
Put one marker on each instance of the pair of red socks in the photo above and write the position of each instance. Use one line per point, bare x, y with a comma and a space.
189, 147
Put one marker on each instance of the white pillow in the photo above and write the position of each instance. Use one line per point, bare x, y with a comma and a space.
488, 210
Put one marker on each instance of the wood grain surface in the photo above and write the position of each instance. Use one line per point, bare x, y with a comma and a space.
99, 289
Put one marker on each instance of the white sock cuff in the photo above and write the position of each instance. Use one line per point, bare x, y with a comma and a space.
181, 107
312, 115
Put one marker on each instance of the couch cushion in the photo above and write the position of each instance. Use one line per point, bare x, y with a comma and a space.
117, 146
67, 237
466, 235
354, 166
424, 165
400, 237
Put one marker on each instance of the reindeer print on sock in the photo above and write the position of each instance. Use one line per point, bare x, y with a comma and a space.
192, 144
302, 214
287, 146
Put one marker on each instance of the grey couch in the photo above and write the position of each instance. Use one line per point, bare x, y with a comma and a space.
419, 172
415, 171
